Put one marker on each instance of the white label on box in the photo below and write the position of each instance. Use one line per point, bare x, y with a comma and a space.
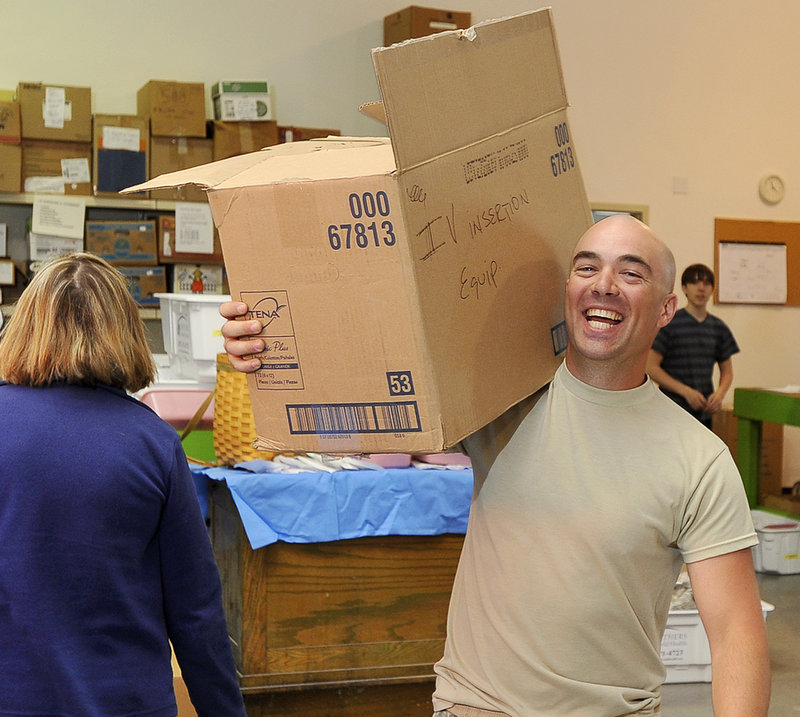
45, 247
245, 108
3, 239
194, 228
76, 171
61, 216
44, 185
128, 138
54, 109
7, 272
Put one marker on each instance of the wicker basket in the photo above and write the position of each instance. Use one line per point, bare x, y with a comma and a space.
234, 426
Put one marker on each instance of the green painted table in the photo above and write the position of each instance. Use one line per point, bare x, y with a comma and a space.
752, 407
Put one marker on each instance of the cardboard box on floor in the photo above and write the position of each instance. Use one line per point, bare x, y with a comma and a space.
412, 291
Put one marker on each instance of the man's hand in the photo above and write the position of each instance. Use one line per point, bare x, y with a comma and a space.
238, 343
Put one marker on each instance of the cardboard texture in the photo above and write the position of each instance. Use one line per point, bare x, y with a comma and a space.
415, 22
55, 112
123, 241
10, 168
120, 152
57, 167
411, 291
175, 109
167, 254
10, 123
242, 101
232, 138
170, 154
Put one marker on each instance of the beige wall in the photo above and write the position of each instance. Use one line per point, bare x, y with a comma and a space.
704, 93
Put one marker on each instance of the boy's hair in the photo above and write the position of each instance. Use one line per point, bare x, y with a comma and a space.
697, 272
76, 322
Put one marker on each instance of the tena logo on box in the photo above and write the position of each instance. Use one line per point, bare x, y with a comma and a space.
280, 361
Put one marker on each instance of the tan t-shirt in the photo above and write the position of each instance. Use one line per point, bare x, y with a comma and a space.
580, 521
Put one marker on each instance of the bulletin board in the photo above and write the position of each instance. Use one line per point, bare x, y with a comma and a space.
757, 262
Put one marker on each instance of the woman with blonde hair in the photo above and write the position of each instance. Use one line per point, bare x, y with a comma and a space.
104, 554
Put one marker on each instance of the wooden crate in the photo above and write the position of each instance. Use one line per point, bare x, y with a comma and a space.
358, 623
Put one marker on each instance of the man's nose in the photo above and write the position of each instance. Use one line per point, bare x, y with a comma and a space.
605, 282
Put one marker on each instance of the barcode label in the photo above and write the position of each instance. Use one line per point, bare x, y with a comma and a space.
337, 418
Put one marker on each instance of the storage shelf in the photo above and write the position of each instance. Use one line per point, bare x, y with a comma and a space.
91, 201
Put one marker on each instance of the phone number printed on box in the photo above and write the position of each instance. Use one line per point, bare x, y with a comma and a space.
371, 226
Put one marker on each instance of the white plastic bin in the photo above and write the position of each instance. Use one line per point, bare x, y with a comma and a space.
191, 326
684, 646
778, 550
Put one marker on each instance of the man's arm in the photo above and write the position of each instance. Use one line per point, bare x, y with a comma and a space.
696, 399
237, 333
726, 593
725, 380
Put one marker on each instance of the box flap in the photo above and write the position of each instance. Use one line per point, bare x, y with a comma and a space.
289, 162
455, 88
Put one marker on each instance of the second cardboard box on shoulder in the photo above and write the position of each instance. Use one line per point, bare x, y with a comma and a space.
410, 291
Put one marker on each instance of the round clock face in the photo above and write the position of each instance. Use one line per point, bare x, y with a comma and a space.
771, 189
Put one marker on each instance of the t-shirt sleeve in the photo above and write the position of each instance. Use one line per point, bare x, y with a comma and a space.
726, 345
716, 519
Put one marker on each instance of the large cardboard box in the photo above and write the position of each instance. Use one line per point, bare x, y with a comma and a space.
170, 154
121, 152
415, 21
175, 109
57, 167
55, 112
232, 138
10, 167
10, 123
412, 291
131, 242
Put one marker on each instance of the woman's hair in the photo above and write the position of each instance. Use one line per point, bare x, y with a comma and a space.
76, 322
697, 272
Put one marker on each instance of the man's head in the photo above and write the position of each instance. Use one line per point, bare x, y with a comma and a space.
619, 294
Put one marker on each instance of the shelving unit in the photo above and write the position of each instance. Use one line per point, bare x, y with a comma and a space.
16, 210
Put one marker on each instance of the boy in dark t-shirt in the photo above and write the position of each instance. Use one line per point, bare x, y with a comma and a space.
685, 351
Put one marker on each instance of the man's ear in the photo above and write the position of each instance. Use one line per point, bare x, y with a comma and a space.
668, 310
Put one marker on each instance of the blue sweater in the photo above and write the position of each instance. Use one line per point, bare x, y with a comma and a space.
104, 558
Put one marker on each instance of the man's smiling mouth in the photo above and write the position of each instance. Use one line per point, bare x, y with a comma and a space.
602, 318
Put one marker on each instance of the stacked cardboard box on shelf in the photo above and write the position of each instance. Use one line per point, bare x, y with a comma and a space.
10, 147
133, 248
415, 21
56, 123
121, 152
177, 114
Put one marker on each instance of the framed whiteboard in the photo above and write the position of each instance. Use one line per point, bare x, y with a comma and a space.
752, 273
757, 262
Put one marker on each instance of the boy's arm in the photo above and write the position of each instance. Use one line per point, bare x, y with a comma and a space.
725, 380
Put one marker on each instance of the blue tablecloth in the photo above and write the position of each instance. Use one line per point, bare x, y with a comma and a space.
320, 507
